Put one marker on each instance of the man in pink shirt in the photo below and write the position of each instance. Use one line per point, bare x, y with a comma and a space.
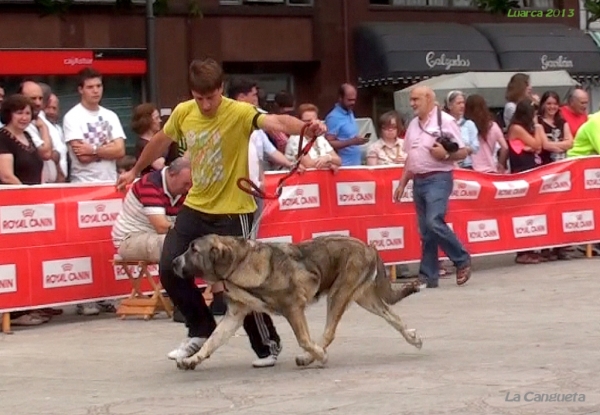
429, 164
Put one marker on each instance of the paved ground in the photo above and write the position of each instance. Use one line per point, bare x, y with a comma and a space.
513, 330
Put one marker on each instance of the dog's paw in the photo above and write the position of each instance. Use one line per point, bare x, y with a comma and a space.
325, 358
304, 359
415, 338
187, 363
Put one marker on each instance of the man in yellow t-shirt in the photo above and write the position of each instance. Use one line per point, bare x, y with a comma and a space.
216, 132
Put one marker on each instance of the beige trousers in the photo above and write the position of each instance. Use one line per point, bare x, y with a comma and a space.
142, 246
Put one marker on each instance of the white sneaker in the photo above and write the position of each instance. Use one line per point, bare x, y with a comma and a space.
89, 309
268, 361
187, 348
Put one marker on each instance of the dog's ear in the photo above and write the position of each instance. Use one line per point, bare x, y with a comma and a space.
220, 254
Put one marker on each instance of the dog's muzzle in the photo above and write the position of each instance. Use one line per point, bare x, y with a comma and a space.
179, 267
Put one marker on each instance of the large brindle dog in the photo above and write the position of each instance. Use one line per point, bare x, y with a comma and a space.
285, 278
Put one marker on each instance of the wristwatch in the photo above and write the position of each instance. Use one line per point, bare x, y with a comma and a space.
95, 150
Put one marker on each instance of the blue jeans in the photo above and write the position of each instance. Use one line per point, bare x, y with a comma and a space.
431, 194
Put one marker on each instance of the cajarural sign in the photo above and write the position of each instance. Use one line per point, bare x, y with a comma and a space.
445, 61
559, 63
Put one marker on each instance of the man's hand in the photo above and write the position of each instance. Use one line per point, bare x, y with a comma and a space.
334, 168
125, 179
40, 124
359, 141
398, 193
82, 149
316, 128
438, 152
301, 169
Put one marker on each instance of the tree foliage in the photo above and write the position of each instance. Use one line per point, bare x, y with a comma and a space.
497, 6
593, 9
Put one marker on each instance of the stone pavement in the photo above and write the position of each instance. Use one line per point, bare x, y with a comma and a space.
514, 330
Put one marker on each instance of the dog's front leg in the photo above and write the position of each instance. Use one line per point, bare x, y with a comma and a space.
226, 328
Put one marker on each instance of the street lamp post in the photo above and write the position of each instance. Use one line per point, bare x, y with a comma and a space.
151, 74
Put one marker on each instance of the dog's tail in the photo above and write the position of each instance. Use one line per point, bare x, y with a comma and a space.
384, 287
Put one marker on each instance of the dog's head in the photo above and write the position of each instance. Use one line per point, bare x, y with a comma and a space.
211, 257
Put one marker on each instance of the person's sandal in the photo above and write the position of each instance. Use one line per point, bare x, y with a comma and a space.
463, 275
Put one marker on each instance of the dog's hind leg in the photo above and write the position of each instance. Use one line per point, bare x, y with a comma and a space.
297, 320
337, 303
371, 302
226, 328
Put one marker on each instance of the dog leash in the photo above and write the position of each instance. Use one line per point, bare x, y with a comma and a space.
248, 186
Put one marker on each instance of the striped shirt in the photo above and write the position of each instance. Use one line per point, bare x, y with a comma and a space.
148, 196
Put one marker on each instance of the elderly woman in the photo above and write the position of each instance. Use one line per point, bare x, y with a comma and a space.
455, 106
20, 164
321, 154
388, 149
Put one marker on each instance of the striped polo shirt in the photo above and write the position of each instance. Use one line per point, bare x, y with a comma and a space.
148, 196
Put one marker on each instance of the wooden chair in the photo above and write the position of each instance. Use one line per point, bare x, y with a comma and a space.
138, 304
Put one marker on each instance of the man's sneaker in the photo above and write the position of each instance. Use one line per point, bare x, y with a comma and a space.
268, 361
89, 309
187, 348
271, 359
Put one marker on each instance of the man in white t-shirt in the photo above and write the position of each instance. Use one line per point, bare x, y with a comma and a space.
93, 134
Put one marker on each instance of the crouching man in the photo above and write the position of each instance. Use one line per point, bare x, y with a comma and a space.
149, 211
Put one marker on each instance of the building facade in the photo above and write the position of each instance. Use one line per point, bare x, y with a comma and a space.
306, 46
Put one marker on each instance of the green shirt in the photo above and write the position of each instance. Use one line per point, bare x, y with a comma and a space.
587, 140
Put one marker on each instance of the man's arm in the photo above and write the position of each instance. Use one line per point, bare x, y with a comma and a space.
40, 135
160, 222
280, 123
339, 144
113, 150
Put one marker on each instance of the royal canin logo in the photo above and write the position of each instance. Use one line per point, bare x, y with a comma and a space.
27, 218
355, 193
530, 226
303, 196
67, 267
94, 214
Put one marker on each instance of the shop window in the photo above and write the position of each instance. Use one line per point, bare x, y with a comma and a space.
269, 84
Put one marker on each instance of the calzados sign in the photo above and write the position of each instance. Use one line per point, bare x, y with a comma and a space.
445, 61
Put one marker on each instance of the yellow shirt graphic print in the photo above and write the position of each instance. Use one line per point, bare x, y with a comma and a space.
218, 149
206, 154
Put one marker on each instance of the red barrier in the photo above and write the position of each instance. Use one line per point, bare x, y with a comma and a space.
551, 206
55, 245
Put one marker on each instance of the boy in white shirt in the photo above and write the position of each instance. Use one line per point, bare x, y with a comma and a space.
93, 134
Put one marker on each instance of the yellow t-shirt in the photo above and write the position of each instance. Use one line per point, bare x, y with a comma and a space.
218, 149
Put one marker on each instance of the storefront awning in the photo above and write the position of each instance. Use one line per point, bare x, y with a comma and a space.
386, 51
546, 47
